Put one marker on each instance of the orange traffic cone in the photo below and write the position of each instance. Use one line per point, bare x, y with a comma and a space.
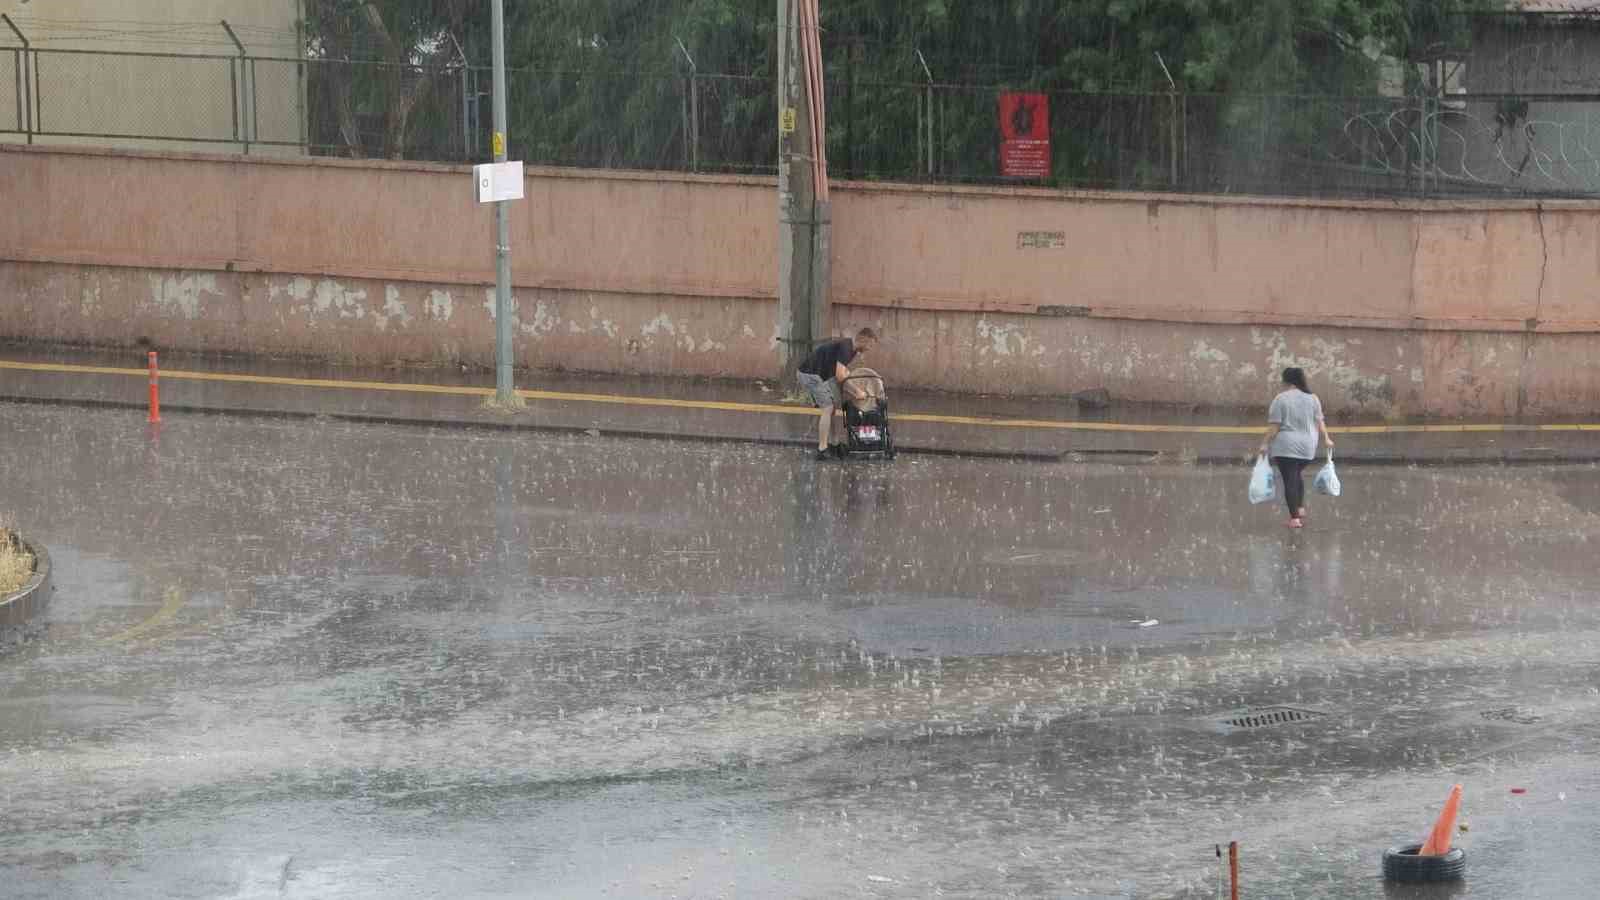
1438, 842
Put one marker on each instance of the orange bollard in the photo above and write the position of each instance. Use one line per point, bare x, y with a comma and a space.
155, 392
1233, 870
1438, 842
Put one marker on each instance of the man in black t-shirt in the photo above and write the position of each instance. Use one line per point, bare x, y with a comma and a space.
824, 372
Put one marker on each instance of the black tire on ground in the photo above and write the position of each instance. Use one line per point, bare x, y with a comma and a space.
1403, 864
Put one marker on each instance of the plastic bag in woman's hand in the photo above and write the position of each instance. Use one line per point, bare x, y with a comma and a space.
1327, 480
1263, 482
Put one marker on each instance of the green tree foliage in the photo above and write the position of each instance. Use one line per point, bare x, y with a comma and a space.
608, 82
412, 40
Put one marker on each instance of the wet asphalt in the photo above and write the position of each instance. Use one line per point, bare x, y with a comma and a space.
317, 658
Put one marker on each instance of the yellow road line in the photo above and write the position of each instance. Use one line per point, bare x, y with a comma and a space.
173, 602
767, 408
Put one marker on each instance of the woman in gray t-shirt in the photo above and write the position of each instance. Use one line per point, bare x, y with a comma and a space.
1296, 426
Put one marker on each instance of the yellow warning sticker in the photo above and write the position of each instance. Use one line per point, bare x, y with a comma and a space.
499, 143
786, 121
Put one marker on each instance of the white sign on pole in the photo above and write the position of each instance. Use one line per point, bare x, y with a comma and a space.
498, 181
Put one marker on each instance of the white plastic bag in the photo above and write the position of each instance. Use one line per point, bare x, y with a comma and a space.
1327, 480
1263, 481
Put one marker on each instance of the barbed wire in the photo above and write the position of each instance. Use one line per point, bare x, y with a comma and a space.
1497, 145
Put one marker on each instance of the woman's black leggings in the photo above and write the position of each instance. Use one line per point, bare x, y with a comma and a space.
1294, 483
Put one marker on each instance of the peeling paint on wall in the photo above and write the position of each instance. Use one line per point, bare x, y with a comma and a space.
440, 305
659, 324
296, 288
1329, 363
183, 294
332, 296
1000, 336
544, 321
492, 307
602, 326
1204, 352
393, 309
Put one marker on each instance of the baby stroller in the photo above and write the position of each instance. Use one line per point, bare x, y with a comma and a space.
866, 416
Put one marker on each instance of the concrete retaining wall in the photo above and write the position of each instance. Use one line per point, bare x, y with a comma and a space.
1396, 309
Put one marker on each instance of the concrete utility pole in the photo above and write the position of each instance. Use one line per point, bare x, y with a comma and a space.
803, 223
504, 393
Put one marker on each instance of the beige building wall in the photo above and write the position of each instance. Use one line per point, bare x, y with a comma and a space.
156, 74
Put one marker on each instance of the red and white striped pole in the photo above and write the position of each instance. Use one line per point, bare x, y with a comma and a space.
155, 392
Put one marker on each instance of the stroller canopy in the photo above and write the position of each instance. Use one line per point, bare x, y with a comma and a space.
863, 389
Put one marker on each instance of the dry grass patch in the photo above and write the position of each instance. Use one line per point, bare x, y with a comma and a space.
16, 563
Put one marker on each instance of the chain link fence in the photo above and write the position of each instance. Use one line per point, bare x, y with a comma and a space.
1458, 144
82, 93
12, 104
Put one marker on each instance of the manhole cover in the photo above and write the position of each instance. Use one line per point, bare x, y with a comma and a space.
1513, 714
1269, 716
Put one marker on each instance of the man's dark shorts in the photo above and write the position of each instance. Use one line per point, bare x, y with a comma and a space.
824, 394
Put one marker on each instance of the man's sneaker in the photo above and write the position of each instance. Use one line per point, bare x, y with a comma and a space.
824, 455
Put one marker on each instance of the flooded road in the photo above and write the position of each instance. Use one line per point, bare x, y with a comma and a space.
318, 659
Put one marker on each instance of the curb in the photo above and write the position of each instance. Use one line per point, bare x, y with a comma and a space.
536, 428
1452, 457
19, 608
1441, 459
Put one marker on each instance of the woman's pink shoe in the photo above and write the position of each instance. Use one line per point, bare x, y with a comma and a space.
1296, 523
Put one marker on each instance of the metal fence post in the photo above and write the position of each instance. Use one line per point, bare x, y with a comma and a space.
466, 115
466, 122
38, 101
302, 85
255, 108
694, 119
849, 110
928, 94
1172, 119
233, 91
245, 70
24, 90
688, 151
691, 111
24, 107
302, 97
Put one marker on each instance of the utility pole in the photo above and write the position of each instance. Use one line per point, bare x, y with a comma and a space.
504, 394
802, 221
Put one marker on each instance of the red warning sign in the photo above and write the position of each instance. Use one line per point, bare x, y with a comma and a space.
1024, 135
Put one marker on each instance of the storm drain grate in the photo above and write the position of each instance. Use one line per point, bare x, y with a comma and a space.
1268, 716
1513, 714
